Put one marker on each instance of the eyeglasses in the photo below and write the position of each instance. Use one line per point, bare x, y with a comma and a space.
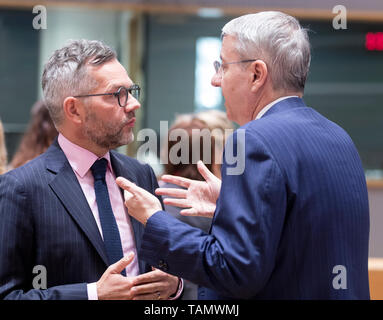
121, 94
218, 65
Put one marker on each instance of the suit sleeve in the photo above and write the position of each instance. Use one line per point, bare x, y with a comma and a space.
154, 184
17, 248
238, 256
180, 290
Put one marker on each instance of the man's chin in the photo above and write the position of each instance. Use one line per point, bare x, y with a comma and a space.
125, 140
130, 138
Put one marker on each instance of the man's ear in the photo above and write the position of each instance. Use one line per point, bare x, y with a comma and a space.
73, 110
259, 74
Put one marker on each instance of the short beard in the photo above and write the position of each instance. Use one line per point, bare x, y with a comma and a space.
106, 135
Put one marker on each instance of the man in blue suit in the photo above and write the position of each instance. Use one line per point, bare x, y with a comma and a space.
63, 224
295, 223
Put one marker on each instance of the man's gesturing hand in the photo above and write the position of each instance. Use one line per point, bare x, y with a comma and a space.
141, 204
200, 197
153, 285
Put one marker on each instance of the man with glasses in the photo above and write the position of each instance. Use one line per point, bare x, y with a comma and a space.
295, 223
63, 212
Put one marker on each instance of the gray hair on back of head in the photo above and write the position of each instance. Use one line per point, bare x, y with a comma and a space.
65, 73
278, 40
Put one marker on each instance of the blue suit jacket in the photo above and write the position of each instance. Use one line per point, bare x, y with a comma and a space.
45, 220
284, 226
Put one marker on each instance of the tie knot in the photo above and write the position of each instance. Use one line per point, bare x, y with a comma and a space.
99, 169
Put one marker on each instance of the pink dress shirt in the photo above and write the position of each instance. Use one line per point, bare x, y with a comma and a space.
81, 160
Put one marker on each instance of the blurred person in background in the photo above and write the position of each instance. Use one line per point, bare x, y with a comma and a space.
3, 150
39, 136
213, 123
220, 127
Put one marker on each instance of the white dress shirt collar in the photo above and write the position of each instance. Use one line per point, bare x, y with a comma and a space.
267, 107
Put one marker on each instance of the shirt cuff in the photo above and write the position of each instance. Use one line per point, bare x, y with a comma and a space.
92, 291
179, 290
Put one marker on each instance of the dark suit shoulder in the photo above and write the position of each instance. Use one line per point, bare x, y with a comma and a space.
304, 127
29, 171
298, 120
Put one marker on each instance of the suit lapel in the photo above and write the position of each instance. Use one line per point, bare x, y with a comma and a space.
67, 188
121, 170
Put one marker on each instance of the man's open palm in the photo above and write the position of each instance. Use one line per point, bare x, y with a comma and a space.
200, 197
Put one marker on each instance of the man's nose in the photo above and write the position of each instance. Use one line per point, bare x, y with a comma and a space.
132, 104
216, 80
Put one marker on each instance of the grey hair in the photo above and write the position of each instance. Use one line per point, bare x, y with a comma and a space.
65, 73
278, 40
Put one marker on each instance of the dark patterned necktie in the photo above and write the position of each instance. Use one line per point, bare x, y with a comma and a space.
109, 227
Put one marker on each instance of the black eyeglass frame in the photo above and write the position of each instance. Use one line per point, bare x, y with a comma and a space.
218, 65
117, 94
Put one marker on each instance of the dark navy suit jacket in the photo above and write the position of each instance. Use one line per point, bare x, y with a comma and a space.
45, 220
293, 225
